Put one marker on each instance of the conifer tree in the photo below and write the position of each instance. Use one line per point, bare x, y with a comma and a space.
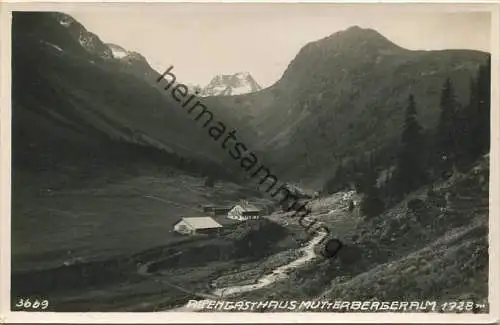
475, 118
468, 125
410, 171
484, 92
447, 135
372, 204
336, 182
366, 176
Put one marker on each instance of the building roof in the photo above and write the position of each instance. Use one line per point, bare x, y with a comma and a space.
202, 222
248, 208
223, 208
217, 207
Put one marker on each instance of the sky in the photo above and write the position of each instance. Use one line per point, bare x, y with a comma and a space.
204, 40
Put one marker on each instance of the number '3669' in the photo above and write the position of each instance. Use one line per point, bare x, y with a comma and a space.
35, 304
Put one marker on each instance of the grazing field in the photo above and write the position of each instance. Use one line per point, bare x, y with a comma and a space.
123, 217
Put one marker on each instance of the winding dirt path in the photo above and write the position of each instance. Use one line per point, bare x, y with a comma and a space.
279, 273
307, 254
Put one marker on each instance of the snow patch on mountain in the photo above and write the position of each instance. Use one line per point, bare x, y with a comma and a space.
117, 51
128, 57
230, 85
65, 20
58, 48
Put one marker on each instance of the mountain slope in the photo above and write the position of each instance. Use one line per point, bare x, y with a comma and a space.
343, 95
70, 92
439, 251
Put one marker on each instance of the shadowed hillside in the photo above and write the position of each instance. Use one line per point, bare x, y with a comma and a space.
75, 104
342, 96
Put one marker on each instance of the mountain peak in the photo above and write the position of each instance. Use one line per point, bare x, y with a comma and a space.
354, 28
244, 74
231, 84
359, 36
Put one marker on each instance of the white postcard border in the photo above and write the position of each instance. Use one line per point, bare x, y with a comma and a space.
8, 316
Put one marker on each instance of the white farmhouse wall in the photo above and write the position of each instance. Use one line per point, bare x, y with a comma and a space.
236, 213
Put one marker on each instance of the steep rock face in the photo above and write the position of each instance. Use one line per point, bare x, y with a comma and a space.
133, 62
89, 41
228, 85
343, 95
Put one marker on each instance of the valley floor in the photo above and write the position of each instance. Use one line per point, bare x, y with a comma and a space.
55, 227
130, 261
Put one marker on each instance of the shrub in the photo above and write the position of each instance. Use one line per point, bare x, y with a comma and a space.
435, 198
415, 205
351, 205
371, 205
209, 182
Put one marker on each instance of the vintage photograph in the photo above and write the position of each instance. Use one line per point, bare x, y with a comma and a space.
250, 157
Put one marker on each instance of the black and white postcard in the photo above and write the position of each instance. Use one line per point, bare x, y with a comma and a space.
257, 162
